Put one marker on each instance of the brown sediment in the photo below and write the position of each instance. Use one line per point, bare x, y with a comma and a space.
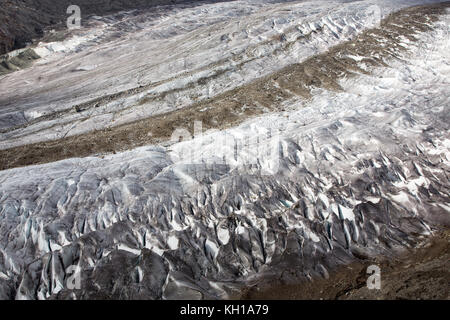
422, 273
266, 94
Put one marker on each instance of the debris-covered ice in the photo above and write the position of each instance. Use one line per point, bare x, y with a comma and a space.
167, 55
355, 173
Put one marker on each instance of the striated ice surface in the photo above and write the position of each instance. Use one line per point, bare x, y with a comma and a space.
166, 60
347, 175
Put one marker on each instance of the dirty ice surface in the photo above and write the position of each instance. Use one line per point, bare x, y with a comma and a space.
166, 55
355, 173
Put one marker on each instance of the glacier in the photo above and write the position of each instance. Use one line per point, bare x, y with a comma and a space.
346, 174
